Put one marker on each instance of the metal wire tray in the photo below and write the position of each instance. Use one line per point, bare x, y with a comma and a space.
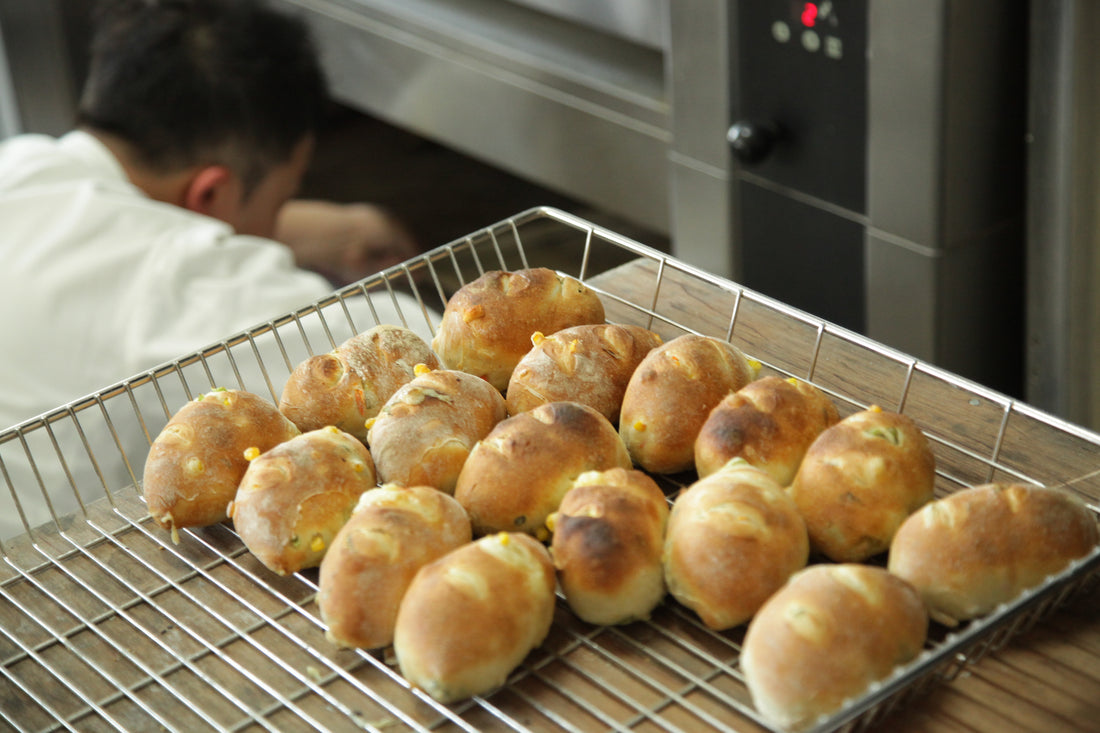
106, 624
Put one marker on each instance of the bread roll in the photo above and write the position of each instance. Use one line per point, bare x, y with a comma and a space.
517, 475
393, 532
294, 498
428, 427
469, 618
590, 364
734, 538
859, 480
347, 386
487, 324
670, 395
196, 462
770, 422
608, 536
978, 548
825, 637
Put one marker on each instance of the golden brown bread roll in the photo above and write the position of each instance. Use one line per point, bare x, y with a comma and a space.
487, 324
590, 364
517, 475
393, 532
294, 498
859, 480
428, 427
469, 618
347, 386
670, 395
827, 635
977, 548
197, 460
770, 422
734, 538
608, 536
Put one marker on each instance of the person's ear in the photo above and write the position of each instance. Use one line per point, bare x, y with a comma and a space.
214, 190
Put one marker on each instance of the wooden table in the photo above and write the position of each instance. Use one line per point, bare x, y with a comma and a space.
105, 623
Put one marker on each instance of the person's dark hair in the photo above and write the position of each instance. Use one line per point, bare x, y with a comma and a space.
190, 82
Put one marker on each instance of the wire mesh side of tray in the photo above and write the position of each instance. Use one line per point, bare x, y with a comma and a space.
106, 624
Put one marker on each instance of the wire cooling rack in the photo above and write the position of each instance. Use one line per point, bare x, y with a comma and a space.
106, 624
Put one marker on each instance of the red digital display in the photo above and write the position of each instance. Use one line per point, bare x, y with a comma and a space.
809, 14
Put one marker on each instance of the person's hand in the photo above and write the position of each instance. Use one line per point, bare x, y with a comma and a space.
343, 242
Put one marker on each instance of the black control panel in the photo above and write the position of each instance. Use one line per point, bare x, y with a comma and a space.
798, 134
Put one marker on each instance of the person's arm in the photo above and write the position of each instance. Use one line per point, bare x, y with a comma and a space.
343, 242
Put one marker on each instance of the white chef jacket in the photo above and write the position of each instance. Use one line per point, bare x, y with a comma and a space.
98, 282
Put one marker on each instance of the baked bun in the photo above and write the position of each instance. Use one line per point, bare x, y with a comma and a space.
980, 547
734, 538
608, 536
590, 364
487, 324
294, 498
825, 637
469, 618
428, 427
347, 386
770, 422
517, 475
670, 395
393, 532
198, 459
859, 480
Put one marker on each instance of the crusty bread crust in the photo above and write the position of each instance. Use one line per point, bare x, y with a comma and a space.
347, 386
393, 532
977, 548
734, 538
294, 498
827, 635
196, 462
770, 422
426, 430
469, 618
487, 324
859, 480
517, 475
670, 395
590, 364
608, 537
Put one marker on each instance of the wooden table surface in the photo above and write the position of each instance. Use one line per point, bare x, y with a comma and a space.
111, 625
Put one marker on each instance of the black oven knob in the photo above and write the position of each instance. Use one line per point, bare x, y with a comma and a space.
751, 142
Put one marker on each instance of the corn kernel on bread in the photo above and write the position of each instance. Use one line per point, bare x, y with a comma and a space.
770, 422
469, 618
608, 536
859, 480
670, 395
977, 548
294, 498
350, 384
590, 364
394, 531
196, 462
734, 538
827, 635
426, 430
487, 324
517, 475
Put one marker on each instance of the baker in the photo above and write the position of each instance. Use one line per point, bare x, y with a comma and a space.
166, 220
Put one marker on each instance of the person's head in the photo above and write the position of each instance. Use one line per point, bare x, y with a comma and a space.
225, 92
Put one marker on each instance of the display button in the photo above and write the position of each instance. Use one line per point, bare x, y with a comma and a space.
834, 47
811, 41
781, 31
